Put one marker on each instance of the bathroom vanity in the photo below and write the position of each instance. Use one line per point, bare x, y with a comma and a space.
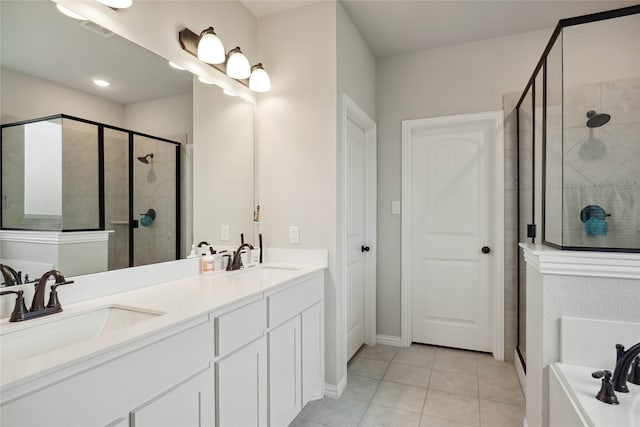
240, 348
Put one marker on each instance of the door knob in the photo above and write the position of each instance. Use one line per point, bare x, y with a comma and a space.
365, 248
486, 249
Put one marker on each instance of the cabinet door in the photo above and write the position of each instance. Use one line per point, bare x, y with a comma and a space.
313, 353
285, 372
241, 390
188, 404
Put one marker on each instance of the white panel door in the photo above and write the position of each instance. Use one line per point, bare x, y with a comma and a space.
355, 235
450, 198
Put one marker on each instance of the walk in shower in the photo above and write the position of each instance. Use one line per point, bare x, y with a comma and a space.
63, 173
579, 142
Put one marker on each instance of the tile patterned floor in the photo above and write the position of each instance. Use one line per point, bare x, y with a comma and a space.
421, 386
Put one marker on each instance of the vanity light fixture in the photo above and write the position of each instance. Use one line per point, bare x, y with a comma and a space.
238, 66
210, 48
101, 83
117, 4
259, 80
176, 66
70, 13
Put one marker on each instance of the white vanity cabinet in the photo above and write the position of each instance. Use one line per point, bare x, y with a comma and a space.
136, 385
241, 366
188, 404
296, 348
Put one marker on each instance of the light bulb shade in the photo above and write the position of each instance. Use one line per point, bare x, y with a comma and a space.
238, 66
210, 49
117, 4
259, 80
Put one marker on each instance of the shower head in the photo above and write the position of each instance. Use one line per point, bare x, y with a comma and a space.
595, 120
145, 159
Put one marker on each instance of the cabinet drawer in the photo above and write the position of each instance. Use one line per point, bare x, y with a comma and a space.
239, 327
285, 304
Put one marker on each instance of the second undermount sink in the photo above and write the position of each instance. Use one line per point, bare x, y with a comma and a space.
55, 334
268, 273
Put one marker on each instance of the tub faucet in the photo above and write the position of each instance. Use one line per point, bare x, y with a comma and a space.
10, 276
236, 263
623, 365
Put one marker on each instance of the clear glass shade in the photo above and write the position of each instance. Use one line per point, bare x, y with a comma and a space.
238, 65
259, 80
210, 48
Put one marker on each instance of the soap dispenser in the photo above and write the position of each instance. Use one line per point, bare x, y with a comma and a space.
208, 262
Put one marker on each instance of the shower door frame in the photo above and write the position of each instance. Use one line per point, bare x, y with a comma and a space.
101, 176
541, 66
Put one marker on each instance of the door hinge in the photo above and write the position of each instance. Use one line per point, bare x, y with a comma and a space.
531, 230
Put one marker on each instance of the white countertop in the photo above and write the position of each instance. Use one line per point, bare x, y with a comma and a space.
180, 300
583, 389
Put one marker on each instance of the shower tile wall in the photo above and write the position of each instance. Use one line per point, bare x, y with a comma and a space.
509, 102
116, 163
602, 165
13, 177
155, 188
80, 204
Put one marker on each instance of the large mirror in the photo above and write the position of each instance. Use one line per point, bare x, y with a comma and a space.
48, 63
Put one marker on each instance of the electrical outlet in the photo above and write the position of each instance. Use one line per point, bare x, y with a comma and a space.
294, 234
224, 233
395, 207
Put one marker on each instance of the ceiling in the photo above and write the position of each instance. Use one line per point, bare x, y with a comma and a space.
38, 40
393, 27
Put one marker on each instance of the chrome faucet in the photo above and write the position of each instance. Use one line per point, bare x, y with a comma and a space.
10, 276
623, 366
38, 308
236, 263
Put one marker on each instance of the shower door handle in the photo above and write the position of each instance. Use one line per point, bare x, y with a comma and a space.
134, 223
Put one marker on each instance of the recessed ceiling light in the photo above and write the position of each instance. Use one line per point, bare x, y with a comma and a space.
176, 66
205, 81
117, 4
70, 13
101, 83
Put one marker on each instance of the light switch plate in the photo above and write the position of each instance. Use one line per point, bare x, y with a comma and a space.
224, 233
294, 234
395, 207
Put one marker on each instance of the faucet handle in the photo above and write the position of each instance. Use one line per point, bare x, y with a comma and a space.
606, 393
20, 309
53, 295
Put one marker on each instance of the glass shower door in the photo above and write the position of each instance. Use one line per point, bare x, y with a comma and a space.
116, 193
154, 204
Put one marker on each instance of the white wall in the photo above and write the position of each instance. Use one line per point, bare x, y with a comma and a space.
27, 97
356, 66
454, 80
176, 113
223, 164
296, 144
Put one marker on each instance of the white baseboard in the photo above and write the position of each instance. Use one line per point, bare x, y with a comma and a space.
334, 391
520, 371
389, 340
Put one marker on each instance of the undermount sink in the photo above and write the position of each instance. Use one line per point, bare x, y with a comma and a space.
268, 273
58, 333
